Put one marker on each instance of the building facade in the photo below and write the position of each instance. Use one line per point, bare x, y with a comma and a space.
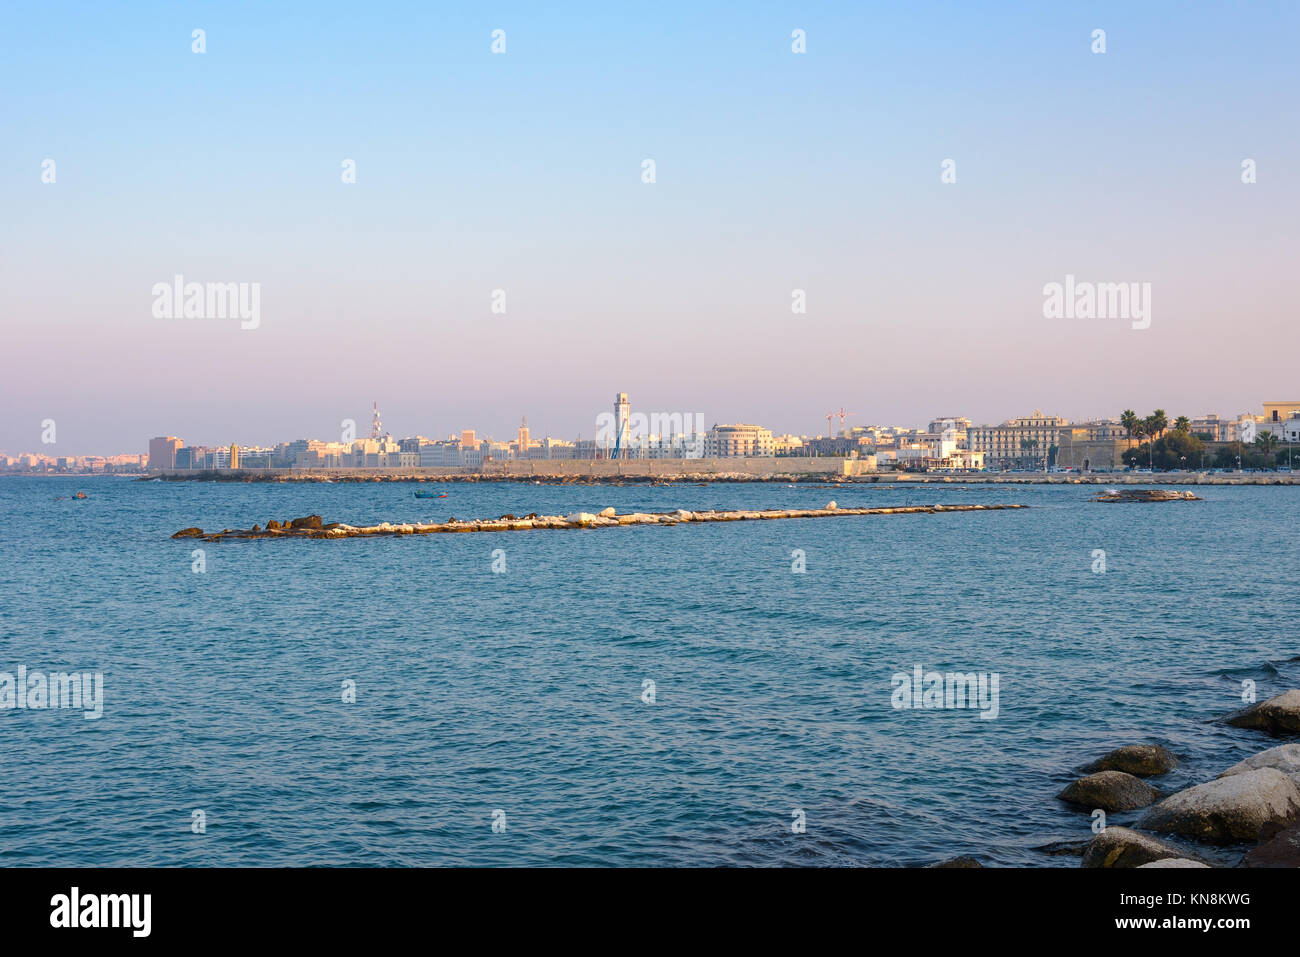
1029, 442
738, 441
162, 451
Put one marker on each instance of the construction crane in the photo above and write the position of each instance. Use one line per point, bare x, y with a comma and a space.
830, 428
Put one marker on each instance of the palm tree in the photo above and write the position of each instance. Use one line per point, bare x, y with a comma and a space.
1183, 424
1267, 444
1159, 422
1131, 423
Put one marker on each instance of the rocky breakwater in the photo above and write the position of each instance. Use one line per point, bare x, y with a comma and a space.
1145, 495
1252, 808
312, 526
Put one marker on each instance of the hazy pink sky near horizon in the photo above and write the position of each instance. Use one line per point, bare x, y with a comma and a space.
774, 172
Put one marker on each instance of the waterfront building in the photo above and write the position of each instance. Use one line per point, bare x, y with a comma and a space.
841, 446
194, 457
162, 451
1276, 413
523, 443
788, 445
1213, 428
1028, 442
958, 425
738, 441
1089, 446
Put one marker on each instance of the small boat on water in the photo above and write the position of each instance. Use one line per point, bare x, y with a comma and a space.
429, 493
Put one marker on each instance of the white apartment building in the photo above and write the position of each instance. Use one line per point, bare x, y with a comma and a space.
738, 441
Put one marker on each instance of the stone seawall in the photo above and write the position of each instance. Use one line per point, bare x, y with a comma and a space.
712, 470
635, 470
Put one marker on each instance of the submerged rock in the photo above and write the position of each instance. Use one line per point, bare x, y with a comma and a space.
964, 860
1277, 715
1110, 791
1242, 807
1143, 760
1063, 848
189, 533
1121, 847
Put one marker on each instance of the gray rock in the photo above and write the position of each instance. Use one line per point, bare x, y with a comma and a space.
1110, 791
1284, 758
1281, 850
1277, 715
1120, 847
1140, 759
1242, 807
1173, 862
964, 861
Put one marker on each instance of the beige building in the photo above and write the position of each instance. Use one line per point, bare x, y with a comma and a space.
162, 452
1278, 412
1219, 430
738, 441
1023, 443
1093, 445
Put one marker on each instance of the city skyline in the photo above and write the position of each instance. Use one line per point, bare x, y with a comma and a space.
361, 428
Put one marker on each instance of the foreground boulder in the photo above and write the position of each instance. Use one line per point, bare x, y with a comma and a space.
1277, 715
1242, 807
1284, 758
1281, 850
1174, 862
1143, 760
1110, 791
310, 521
1118, 847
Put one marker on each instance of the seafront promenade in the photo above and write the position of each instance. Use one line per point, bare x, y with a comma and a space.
715, 470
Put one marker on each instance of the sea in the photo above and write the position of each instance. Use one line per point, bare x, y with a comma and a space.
695, 695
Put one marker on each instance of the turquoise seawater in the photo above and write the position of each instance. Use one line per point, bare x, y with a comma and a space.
521, 691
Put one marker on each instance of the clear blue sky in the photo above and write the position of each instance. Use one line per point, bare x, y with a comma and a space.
521, 172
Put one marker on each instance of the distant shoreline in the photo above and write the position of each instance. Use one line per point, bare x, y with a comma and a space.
775, 476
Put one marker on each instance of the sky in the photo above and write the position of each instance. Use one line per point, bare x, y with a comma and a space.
522, 171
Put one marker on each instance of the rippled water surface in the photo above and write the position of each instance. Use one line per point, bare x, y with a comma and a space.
522, 691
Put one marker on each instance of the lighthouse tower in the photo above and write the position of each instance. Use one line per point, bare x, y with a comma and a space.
622, 413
